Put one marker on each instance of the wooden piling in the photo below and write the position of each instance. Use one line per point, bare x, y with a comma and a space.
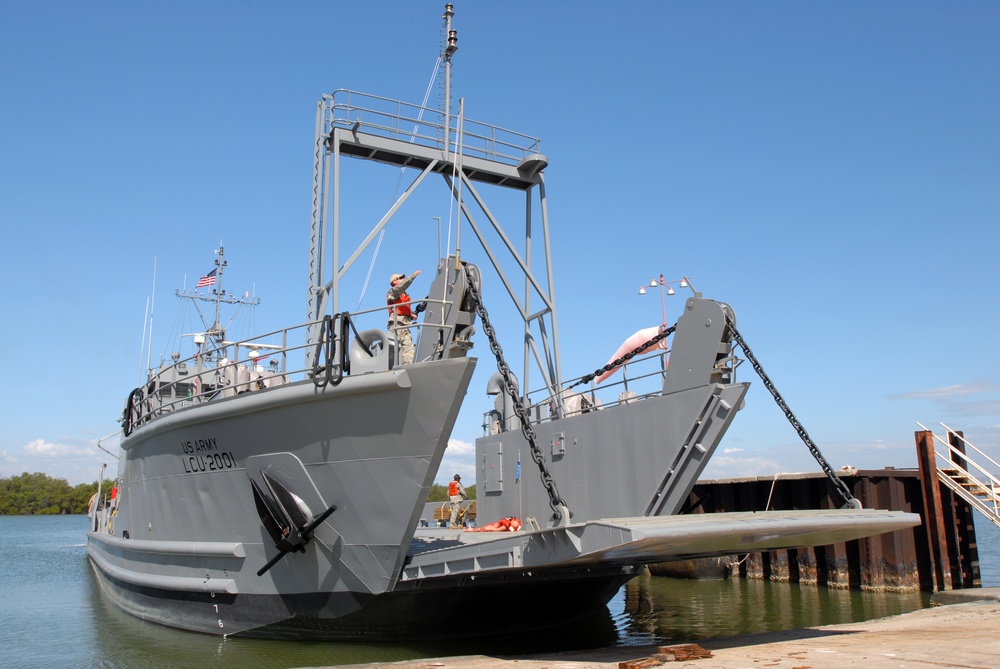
965, 570
934, 515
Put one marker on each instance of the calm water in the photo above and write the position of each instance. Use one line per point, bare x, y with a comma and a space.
54, 615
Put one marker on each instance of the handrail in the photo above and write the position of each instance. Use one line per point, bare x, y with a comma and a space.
222, 373
964, 456
393, 118
993, 514
993, 479
969, 443
970, 480
600, 394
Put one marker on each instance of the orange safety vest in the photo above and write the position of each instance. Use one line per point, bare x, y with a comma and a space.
453, 488
400, 306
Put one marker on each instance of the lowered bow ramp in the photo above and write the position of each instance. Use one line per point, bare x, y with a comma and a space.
631, 541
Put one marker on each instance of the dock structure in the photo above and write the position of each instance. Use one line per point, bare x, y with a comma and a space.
961, 635
938, 555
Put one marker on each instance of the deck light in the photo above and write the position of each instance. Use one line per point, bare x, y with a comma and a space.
665, 289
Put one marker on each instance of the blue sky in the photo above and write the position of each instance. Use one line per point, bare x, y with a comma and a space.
830, 170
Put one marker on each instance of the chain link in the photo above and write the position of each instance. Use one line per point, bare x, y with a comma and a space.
780, 401
555, 501
625, 358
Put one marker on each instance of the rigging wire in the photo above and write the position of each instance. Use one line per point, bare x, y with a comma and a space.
399, 180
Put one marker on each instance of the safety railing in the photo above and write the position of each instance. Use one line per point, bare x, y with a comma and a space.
980, 489
385, 117
235, 367
634, 381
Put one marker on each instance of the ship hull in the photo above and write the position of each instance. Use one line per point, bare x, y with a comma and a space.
186, 541
540, 600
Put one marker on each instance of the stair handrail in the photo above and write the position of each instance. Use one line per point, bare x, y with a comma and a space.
969, 443
972, 480
991, 489
965, 470
965, 457
992, 514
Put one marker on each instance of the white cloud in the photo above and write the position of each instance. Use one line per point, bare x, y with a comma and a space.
727, 465
458, 448
880, 445
76, 460
45, 449
950, 392
459, 458
730, 451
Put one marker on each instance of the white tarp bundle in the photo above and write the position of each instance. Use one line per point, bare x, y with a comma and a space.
632, 343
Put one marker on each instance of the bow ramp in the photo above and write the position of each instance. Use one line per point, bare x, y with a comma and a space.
639, 540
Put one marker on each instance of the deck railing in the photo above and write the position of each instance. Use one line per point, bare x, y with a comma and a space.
234, 367
385, 117
634, 381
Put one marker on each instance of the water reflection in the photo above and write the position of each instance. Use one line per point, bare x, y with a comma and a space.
656, 609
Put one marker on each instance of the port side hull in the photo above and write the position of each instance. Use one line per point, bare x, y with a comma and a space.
504, 603
186, 540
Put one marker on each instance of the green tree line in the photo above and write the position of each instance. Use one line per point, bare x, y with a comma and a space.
38, 494
439, 493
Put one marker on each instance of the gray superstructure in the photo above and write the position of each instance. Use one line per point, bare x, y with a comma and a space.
286, 502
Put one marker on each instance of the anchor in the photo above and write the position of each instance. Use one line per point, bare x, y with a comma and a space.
286, 517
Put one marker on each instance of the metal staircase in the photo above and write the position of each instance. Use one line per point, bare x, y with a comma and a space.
973, 482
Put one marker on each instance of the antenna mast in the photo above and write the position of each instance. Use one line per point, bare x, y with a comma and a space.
451, 46
218, 296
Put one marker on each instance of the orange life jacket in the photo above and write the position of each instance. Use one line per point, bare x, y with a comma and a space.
453, 488
399, 306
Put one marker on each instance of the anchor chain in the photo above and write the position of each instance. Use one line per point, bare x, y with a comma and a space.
625, 358
841, 487
555, 501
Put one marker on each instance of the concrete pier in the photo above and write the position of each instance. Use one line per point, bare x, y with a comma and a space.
962, 635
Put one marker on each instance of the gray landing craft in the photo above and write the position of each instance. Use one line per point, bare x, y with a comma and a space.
286, 502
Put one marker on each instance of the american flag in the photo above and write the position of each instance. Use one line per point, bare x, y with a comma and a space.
207, 280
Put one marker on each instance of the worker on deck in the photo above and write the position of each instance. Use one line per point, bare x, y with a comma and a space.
457, 494
401, 315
